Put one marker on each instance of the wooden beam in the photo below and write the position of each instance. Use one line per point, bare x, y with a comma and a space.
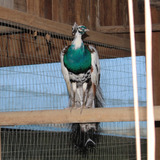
52, 26
125, 29
156, 4
157, 143
75, 116
4, 29
156, 84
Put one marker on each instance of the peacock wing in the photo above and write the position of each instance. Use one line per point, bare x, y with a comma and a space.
64, 70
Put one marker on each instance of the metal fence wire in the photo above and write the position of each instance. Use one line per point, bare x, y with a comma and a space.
31, 79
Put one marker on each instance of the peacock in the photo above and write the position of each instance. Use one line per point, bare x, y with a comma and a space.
81, 71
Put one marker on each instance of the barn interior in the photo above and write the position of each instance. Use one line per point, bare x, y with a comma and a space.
32, 35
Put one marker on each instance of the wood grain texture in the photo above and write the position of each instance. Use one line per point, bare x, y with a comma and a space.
33, 7
55, 9
45, 9
155, 4
23, 49
156, 67
157, 143
37, 22
125, 29
34, 21
20, 5
156, 71
7, 3
119, 114
70, 11
113, 13
156, 57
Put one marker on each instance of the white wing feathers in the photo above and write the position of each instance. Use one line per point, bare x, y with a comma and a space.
95, 68
65, 71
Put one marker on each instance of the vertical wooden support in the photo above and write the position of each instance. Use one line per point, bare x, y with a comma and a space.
134, 75
156, 73
157, 124
149, 85
156, 85
156, 67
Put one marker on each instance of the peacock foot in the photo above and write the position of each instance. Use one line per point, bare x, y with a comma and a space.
82, 107
72, 107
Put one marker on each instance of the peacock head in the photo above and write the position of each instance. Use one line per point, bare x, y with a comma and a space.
80, 29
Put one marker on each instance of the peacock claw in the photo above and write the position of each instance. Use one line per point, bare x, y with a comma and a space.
72, 107
82, 107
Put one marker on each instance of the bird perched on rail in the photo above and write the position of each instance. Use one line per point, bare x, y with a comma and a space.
81, 71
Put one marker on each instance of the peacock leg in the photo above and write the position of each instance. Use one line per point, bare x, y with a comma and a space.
84, 91
74, 87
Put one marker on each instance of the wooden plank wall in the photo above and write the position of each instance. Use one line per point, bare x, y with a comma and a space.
108, 13
119, 11
24, 49
91, 13
65, 11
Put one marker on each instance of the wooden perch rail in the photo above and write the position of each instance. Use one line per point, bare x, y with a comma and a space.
74, 116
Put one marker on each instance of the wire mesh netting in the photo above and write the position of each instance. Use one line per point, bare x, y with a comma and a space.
29, 144
31, 79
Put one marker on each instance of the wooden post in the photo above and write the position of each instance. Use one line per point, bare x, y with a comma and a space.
149, 84
156, 72
157, 125
125, 29
134, 75
156, 85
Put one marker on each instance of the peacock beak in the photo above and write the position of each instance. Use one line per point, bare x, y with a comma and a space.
86, 30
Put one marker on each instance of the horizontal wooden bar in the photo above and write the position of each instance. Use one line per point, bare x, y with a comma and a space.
155, 3
119, 114
125, 29
61, 28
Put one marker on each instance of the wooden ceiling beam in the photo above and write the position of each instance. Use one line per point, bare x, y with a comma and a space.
65, 29
156, 4
125, 29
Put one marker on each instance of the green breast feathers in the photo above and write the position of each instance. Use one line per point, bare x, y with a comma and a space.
77, 60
